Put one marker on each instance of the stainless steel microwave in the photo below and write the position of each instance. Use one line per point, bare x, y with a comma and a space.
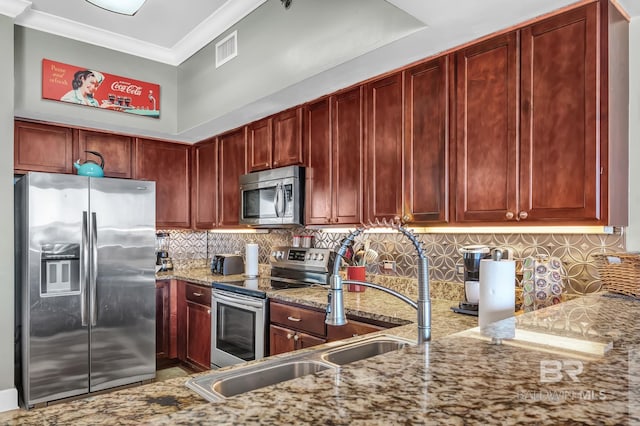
272, 198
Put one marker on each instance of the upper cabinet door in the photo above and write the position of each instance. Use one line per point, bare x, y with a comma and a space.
205, 185
348, 156
560, 169
486, 137
232, 160
427, 142
260, 140
116, 150
319, 173
42, 148
383, 167
287, 138
168, 164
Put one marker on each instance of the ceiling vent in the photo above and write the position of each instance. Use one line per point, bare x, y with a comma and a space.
227, 49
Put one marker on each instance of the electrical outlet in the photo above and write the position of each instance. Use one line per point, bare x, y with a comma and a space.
460, 269
389, 265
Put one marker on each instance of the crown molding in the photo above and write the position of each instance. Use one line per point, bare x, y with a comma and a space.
13, 8
213, 26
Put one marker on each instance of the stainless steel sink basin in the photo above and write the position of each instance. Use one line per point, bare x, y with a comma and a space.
217, 386
363, 350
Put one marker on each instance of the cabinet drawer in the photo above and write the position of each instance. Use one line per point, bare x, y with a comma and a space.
350, 329
198, 294
299, 318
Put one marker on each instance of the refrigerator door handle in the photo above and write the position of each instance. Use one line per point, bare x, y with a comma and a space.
93, 275
84, 267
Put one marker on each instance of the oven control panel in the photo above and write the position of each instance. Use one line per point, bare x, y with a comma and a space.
302, 258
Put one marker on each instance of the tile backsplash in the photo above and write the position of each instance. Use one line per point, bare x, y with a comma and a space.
194, 249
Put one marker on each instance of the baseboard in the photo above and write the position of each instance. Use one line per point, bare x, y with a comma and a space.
8, 399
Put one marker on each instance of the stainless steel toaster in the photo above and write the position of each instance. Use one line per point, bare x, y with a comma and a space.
227, 264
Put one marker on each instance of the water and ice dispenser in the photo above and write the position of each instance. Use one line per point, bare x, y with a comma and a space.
59, 269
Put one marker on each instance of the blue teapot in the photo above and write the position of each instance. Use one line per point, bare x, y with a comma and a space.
91, 168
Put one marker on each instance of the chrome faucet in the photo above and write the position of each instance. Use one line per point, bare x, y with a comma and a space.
335, 308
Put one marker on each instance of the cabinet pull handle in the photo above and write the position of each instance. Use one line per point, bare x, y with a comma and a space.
289, 336
523, 215
296, 337
197, 294
294, 319
509, 215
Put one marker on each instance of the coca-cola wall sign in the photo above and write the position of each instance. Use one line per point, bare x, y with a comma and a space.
89, 87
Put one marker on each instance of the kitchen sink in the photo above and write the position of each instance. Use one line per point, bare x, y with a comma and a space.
217, 386
363, 350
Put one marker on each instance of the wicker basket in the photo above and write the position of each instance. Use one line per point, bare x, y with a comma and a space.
620, 272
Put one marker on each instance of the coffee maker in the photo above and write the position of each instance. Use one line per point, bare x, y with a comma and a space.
163, 261
471, 257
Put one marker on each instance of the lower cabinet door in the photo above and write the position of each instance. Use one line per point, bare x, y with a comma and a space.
281, 340
162, 319
198, 335
304, 340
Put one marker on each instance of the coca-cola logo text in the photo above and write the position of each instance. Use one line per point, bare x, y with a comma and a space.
126, 87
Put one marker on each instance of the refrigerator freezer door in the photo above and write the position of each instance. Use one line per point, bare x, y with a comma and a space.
54, 341
122, 282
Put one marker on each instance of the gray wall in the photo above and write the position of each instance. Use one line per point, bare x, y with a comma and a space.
278, 48
32, 46
6, 218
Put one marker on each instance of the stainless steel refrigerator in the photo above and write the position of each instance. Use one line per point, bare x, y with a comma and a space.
85, 284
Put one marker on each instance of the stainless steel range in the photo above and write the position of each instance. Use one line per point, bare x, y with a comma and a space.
300, 267
240, 319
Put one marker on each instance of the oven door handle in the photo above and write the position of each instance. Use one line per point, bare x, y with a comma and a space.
238, 300
298, 282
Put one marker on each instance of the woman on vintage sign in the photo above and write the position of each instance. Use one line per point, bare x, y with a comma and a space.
85, 83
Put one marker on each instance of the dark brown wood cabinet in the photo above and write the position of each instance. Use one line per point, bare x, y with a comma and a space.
559, 154
351, 329
426, 146
117, 151
275, 141
194, 325
42, 148
168, 164
232, 154
545, 78
163, 319
205, 185
294, 327
383, 148
260, 143
487, 84
334, 147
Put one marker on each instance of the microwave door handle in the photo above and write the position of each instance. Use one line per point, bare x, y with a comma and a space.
281, 201
277, 199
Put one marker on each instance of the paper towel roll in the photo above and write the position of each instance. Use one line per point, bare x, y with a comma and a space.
251, 261
497, 292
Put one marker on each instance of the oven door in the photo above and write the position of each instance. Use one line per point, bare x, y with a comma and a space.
238, 327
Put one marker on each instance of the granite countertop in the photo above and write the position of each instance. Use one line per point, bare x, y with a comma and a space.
576, 362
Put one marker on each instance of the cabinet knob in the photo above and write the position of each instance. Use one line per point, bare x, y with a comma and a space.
523, 215
296, 337
294, 319
407, 218
328, 220
289, 336
275, 163
208, 311
509, 215
266, 164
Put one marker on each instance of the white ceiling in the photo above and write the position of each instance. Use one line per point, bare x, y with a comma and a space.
170, 31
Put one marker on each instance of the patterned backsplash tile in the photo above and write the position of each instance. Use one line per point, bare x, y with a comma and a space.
189, 249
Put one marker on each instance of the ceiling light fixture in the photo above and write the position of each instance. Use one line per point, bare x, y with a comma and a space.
124, 7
